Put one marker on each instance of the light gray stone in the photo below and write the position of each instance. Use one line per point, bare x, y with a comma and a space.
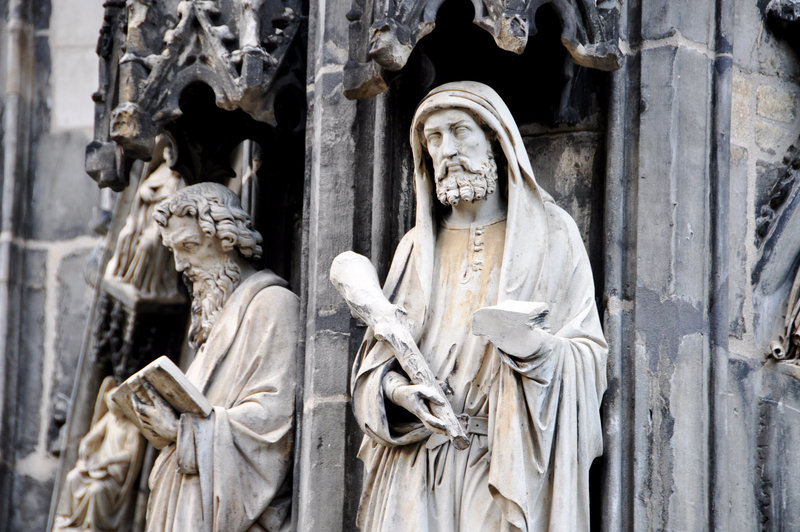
72, 319
569, 166
770, 138
742, 108
674, 135
74, 79
60, 194
755, 49
664, 18
738, 233
776, 104
32, 352
75, 24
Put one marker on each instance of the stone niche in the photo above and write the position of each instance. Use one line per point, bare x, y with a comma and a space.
559, 106
222, 86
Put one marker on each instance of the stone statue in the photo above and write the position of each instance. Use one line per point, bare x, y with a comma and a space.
99, 491
527, 390
230, 471
139, 259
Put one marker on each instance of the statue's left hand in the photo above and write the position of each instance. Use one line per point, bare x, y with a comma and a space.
155, 413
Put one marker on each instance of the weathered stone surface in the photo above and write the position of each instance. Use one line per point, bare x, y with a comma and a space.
664, 18
60, 189
778, 442
72, 318
756, 49
676, 165
776, 104
28, 512
737, 254
744, 378
742, 109
770, 138
32, 352
569, 166
322, 445
767, 174
324, 436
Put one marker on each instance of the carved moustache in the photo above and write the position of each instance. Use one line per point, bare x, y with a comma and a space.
469, 183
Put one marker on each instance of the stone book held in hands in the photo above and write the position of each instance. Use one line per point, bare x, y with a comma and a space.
170, 382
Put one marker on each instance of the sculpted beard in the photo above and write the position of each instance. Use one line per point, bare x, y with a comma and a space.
210, 290
469, 183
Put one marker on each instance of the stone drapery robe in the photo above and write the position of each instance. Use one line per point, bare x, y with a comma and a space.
232, 471
530, 472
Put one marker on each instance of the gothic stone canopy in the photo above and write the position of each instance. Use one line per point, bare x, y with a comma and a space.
383, 33
151, 51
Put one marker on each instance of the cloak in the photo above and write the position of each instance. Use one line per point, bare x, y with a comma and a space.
232, 471
544, 421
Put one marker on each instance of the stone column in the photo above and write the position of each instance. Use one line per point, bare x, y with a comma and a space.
666, 269
329, 214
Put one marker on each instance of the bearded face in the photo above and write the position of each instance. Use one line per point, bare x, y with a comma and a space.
463, 163
211, 287
210, 269
463, 179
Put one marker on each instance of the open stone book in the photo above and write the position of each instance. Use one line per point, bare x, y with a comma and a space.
170, 382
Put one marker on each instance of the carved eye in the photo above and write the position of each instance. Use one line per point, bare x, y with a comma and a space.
189, 246
434, 139
462, 131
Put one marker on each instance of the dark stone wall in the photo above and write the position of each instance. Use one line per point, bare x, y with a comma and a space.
44, 242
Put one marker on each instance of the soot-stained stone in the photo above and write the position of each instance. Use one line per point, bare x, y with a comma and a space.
32, 338
73, 300
28, 512
60, 195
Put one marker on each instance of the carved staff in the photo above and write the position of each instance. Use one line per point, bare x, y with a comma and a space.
356, 280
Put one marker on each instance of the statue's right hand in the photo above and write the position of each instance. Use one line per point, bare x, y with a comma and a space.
415, 398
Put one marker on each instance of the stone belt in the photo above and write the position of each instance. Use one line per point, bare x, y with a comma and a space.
472, 425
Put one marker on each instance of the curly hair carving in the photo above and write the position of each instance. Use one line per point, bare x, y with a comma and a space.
218, 213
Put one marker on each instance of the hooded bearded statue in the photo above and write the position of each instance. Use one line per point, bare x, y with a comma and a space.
531, 413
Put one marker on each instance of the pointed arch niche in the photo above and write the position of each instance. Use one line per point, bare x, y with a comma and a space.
549, 63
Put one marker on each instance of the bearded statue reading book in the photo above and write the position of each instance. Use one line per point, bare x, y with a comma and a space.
226, 467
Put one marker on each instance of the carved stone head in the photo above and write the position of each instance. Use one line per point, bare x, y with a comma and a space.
210, 236
461, 156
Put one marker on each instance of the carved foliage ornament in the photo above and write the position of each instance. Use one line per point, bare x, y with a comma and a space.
150, 51
383, 33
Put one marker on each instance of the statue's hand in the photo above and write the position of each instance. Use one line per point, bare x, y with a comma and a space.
156, 414
415, 399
